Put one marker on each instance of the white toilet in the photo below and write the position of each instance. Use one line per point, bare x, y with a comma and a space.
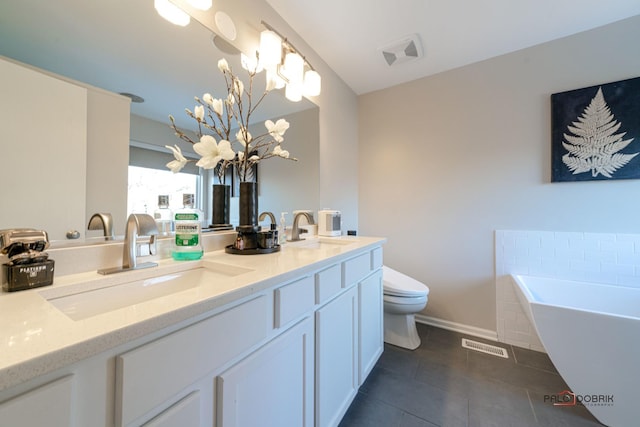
403, 298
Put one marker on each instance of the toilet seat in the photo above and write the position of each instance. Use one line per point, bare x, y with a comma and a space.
405, 300
400, 285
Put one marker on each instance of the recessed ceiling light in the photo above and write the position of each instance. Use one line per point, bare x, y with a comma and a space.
225, 25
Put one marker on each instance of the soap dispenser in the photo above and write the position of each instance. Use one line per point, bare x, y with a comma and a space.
282, 232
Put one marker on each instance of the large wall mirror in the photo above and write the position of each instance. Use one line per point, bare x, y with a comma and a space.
124, 46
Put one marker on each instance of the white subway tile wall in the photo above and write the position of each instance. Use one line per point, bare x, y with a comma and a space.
593, 257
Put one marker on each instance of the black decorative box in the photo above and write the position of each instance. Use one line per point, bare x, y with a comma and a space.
26, 276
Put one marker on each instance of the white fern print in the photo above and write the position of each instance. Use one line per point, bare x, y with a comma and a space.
594, 145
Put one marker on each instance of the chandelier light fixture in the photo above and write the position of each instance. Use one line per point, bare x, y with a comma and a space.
285, 66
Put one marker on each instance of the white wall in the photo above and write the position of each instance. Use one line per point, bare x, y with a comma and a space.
448, 159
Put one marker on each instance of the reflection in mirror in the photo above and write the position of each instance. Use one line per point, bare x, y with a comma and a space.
122, 46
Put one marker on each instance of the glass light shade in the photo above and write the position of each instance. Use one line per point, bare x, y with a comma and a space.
293, 68
201, 4
293, 92
312, 83
250, 63
270, 48
272, 75
171, 12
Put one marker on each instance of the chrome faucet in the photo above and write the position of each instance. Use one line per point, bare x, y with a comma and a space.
295, 230
138, 225
271, 216
104, 222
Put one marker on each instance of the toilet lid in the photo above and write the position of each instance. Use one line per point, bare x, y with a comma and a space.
398, 284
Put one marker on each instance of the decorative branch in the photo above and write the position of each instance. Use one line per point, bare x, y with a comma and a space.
218, 116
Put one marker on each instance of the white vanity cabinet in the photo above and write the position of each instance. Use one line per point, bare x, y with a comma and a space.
289, 353
348, 332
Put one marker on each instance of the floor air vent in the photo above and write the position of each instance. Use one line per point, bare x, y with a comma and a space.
485, 348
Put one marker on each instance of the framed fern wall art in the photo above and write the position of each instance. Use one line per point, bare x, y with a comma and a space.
595, 132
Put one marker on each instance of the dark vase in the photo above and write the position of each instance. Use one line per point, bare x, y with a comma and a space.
220, 206
248, 207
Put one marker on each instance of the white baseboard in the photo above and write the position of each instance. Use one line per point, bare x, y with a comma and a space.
458, 327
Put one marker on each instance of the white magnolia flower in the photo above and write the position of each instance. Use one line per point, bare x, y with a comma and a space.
216, 104
212, 153
223, 114
179, 162
238, 86
241, 139
223, 65
278, 151
198, 111
277, 129
271, 85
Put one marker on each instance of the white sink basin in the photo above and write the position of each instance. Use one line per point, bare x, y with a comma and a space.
318, 243
79, 305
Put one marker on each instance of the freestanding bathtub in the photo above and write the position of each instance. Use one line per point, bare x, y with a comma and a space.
592, 335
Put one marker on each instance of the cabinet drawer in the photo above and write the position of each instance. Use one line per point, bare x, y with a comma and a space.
355, 269
293, 300
153, 373
328, 283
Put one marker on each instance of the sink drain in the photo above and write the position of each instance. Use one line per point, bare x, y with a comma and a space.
485, 348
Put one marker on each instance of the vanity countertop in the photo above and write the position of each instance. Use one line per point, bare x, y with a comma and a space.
38, 338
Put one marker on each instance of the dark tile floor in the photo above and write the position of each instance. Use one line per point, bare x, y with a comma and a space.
443, 384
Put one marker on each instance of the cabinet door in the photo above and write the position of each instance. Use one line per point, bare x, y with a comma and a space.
336, 358
184, 413
271, 387
49, 405
371, 324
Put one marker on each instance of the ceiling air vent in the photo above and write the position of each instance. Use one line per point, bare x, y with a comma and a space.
406, 49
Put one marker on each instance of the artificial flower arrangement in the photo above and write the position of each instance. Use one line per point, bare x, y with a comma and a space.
223, 116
